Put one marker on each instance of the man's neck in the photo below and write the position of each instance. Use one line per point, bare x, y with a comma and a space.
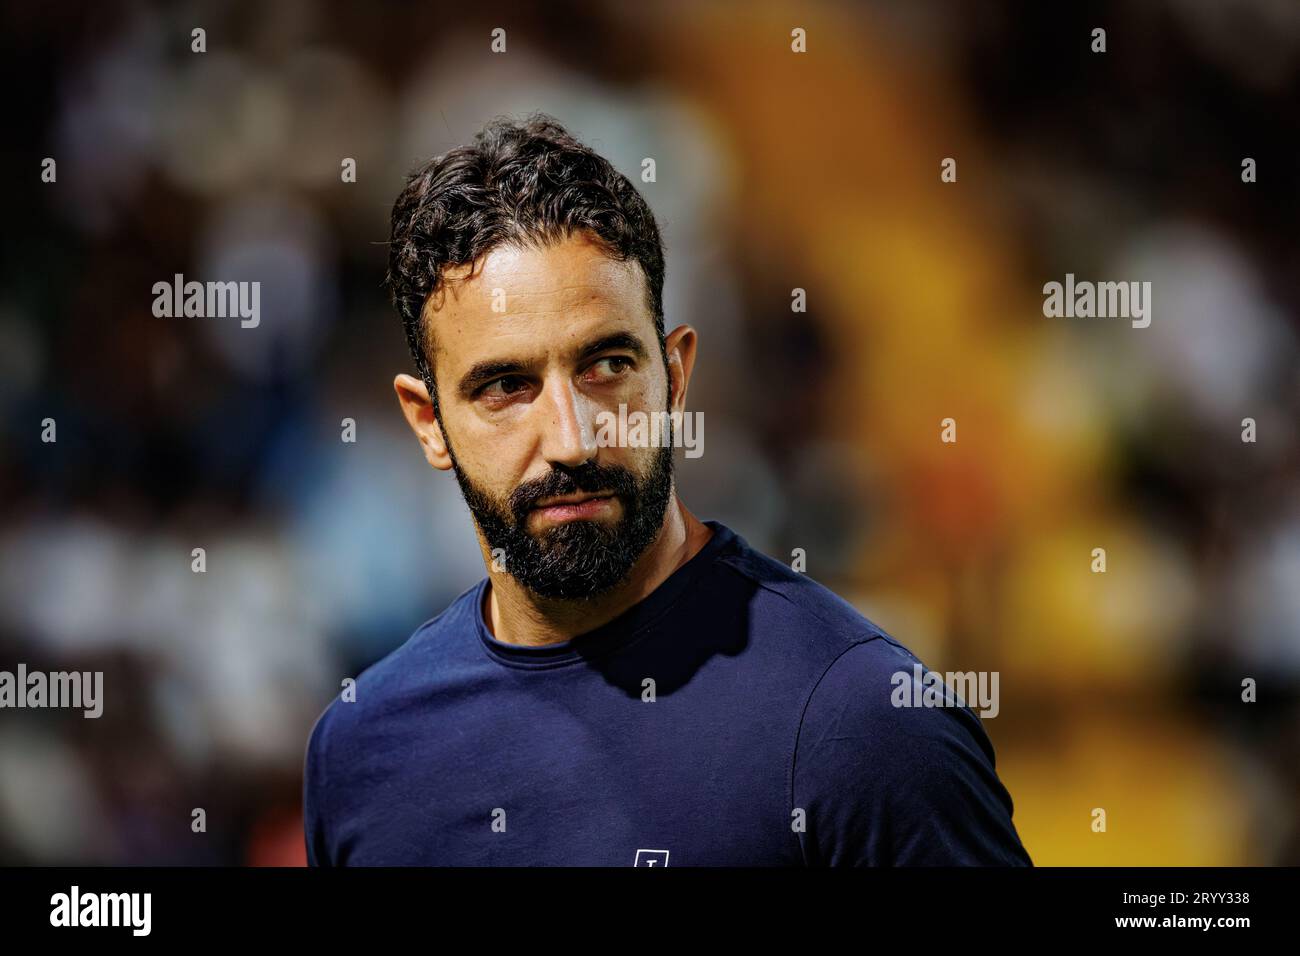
515, 615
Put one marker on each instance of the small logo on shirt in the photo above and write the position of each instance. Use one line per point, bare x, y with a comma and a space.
651, 858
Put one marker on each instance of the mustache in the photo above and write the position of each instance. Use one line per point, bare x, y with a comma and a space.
563, 480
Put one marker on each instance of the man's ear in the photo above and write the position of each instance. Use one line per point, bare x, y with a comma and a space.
413, 396
680, 346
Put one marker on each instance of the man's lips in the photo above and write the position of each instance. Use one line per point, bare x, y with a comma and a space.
571, 507
572, 499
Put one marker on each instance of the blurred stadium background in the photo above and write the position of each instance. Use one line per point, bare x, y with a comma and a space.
774, 171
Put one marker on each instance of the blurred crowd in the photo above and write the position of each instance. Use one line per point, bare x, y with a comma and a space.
774, 171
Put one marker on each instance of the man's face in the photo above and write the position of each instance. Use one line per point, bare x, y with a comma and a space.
526, 354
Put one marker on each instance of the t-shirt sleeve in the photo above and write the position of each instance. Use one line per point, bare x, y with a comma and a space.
313, 796
886, 785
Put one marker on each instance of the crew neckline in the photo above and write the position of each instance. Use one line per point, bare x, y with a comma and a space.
612, 635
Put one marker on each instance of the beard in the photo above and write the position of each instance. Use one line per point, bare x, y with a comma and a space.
578, 559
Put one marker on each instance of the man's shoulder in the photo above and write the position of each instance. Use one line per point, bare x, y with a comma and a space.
384, 686
789, 600
847, 662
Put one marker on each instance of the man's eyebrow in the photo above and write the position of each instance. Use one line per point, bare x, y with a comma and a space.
618, 340
481, 373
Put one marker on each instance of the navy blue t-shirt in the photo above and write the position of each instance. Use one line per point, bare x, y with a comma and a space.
741, 715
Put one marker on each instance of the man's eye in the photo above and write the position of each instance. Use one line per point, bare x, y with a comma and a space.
612, 365
504, 387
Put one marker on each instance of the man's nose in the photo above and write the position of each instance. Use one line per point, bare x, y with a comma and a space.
568, 435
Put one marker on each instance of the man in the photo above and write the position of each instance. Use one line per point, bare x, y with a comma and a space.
628, 685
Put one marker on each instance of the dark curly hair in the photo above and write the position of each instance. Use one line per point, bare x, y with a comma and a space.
520, 182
